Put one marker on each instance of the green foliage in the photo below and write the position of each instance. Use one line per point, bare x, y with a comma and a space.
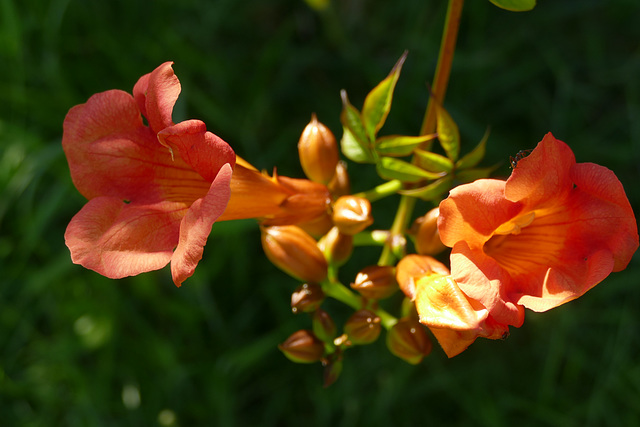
515, 5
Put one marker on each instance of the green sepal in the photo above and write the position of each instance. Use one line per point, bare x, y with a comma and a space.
448, 133
515, 5
433, 191
469, 175
378, 102
475, 156
353, 150
355, 143
399, 146
433, 162
392, 168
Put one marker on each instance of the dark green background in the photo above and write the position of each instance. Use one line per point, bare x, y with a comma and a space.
72, 343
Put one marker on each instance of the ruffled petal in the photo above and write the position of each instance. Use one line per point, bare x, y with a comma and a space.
196, 226
117, 239
473, 211
205, 152
156, 94
480, 277
543, 176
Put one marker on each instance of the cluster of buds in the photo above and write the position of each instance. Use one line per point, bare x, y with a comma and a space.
312, 251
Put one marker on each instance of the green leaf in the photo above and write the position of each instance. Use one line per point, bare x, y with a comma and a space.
378, 102
355, 143
398, 146
448, 133
475, 156
391, 168
432, 191
353, 150
515, 5
433, 162
470, 175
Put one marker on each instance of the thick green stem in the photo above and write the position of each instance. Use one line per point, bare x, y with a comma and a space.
398, 228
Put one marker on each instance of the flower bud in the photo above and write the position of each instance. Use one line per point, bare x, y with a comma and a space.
376, 282
293, 251
332, 368
352, 214
306, 298
426, 233
340, 184
318, 152
337, 247
323, 326
408, 340
363, 327
303, 347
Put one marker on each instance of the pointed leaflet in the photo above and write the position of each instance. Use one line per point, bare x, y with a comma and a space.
355, 143
474, 157
353, 150
448, 133
378, 102
432, 191
515, 5
399, 146
391, 168
433, 162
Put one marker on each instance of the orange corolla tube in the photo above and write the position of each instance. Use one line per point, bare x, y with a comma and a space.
544, 237
276, 200
153, 191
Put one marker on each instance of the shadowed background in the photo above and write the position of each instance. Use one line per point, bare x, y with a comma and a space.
77, 349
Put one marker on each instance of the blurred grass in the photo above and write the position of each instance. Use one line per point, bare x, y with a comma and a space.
77, 349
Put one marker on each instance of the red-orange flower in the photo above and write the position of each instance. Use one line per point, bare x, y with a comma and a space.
547, 235
154, 191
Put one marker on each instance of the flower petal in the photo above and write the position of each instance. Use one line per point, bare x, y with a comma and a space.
156, 94
117, 239
473, 211
205, 152
483, 279
543, 176
196, 226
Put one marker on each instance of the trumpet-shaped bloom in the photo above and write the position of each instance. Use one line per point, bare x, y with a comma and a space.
154, 189
547, 235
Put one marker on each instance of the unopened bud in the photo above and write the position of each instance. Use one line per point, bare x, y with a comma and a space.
318, 151
337, 247
306, 298
376, 282
332, 368
408, 340
318, 227
352, 214
323, 326
340, 185
303, 347
363, 327
426, 233
295, 252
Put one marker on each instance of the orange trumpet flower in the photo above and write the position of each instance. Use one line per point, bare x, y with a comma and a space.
154, 191
547, 235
